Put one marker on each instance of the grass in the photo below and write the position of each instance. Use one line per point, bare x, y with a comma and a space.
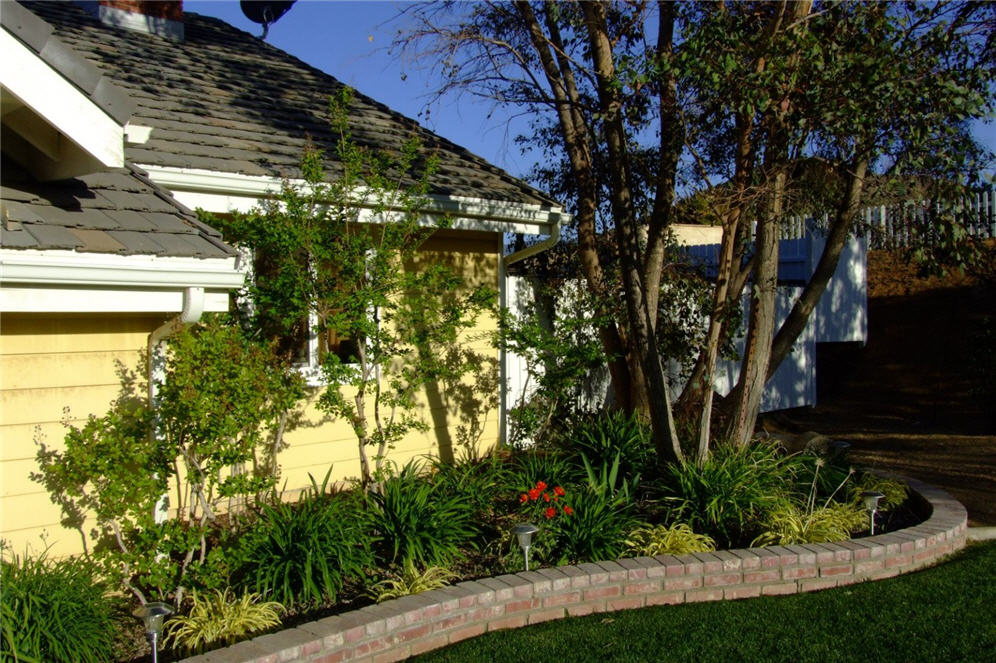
947, 613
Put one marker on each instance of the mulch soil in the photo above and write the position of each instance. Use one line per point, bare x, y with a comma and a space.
914, 399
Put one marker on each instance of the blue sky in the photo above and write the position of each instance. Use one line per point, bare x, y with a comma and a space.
350, 40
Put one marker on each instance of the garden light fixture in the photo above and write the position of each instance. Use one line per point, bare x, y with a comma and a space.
525, 533
871, 498
152, 614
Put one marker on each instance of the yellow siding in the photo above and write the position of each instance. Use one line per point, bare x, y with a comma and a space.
47, 363
51, 362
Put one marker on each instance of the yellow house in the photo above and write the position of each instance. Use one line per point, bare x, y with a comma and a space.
118, 119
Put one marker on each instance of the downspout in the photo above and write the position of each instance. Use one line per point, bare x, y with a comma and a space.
505, 262
193, 308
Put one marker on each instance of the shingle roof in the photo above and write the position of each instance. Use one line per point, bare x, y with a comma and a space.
117, 212
223, 100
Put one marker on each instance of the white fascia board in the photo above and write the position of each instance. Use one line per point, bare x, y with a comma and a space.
55, 299
225, 192
60, 103
69, 268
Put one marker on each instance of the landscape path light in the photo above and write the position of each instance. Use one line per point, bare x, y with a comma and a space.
152, 614
871, 498
525, 533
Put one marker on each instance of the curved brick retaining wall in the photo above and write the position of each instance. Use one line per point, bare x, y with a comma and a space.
394, 630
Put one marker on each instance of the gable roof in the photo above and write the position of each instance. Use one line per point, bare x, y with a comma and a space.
115, 212
223, 101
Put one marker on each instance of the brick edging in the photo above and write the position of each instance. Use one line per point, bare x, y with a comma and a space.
395, 630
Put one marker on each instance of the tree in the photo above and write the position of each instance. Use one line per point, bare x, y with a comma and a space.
337, 261
738, 103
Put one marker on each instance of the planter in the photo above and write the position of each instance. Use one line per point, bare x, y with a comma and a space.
394, 630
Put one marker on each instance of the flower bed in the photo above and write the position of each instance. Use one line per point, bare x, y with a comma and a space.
396, 629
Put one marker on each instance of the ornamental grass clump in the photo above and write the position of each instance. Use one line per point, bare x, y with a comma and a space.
220, 618
411, 580
676, 539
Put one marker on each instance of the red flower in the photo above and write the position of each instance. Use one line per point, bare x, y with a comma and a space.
550, 513
540, 486
557, 490
546, 497
523, 498
534, 494
569, 511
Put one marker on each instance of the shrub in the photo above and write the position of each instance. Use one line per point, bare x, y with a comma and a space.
411, 581
678, 539
302, 553
533, 465
418, 522
55, 610
895, 491
479, 482
729, 494
220, 618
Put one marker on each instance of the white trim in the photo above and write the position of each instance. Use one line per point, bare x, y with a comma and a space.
55, 299
60, 103
105, 270
224, 192
137, 134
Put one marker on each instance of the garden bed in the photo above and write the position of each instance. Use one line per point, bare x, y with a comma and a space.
400, 628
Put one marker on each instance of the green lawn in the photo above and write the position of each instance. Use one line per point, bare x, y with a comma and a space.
943, 614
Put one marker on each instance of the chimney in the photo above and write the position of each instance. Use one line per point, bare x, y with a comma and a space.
157, 17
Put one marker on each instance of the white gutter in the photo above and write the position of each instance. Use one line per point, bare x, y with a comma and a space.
193, 308
97, 269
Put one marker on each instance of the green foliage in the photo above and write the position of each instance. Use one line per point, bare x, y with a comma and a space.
602, 438
730, 493
789, 524
220, 618
411, 581
530, 466
595, 530
219, 400
340, 260
560, 348
676, 539
55, 610
608, 481
478, 482
895, 491
301, 554
418, 522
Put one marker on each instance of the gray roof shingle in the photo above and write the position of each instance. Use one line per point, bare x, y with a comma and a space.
118, 212
223, 100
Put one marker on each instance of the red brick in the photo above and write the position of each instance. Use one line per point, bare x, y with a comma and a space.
546, 615
671, 584
486, 613
335, 657
666, 598
428, 644
898, 560
741, 592
723, 579
642, 588
372, 646
309, 648
762, 576
864, 568
356, 633
602, 592
799, 572
838, 570
397, 654
468, 631
779, 589
924, 556
515, 621
450, 622
518, 606
562, 599
583, 609
703, 595
625, 604
816, 585
414, 633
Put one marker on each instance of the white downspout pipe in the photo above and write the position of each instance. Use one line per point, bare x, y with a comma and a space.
193, 308
503, 265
